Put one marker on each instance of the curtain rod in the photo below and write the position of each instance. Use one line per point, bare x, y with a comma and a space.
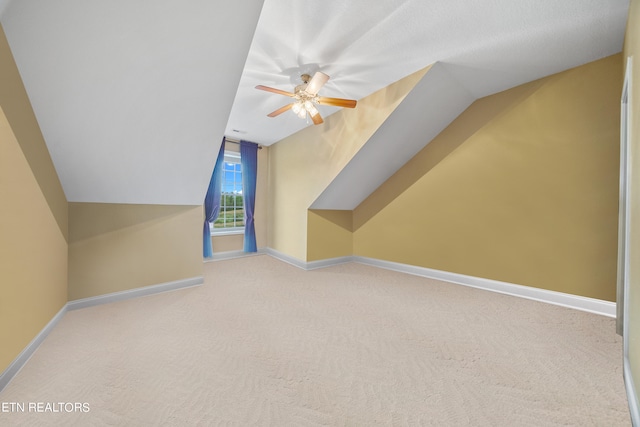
235, 141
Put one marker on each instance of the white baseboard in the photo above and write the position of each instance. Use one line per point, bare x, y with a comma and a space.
134, 293
287, 258
591, 305
28, 351
604, 308
311, 265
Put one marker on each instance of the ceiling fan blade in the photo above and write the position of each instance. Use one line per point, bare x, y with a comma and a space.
318, 80
337, 102
280, 110
317, 119
274, 90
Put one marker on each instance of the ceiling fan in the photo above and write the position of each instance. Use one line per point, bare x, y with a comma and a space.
306, 97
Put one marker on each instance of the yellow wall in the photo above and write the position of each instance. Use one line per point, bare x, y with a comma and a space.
116, 247
329, 234
33, 252
302, 165
448, 140
33, 220
632, 49
521, 188
17, 108
235, 242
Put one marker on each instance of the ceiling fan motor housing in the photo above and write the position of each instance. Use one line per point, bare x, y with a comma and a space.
305, 78
305, 81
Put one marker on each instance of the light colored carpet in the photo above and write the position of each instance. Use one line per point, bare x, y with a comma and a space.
265, 343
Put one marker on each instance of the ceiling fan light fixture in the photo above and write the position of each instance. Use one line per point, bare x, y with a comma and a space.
303, 106
302, 112
305, 98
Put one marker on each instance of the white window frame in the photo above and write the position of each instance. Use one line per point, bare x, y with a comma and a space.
229, 157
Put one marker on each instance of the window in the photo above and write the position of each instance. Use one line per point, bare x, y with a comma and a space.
231, 216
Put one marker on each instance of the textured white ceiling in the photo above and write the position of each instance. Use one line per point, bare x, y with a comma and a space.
495, 44
133, 96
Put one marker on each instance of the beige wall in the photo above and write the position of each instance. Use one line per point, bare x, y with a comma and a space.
235, 242
446, 142
329, 234
632, 49
33, 252
521, 188
302, 165
116, 247
17, 108
33, 220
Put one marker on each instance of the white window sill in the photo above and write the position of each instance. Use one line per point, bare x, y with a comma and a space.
226, 232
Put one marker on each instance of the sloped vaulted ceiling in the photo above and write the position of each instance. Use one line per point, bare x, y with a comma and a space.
133, 96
